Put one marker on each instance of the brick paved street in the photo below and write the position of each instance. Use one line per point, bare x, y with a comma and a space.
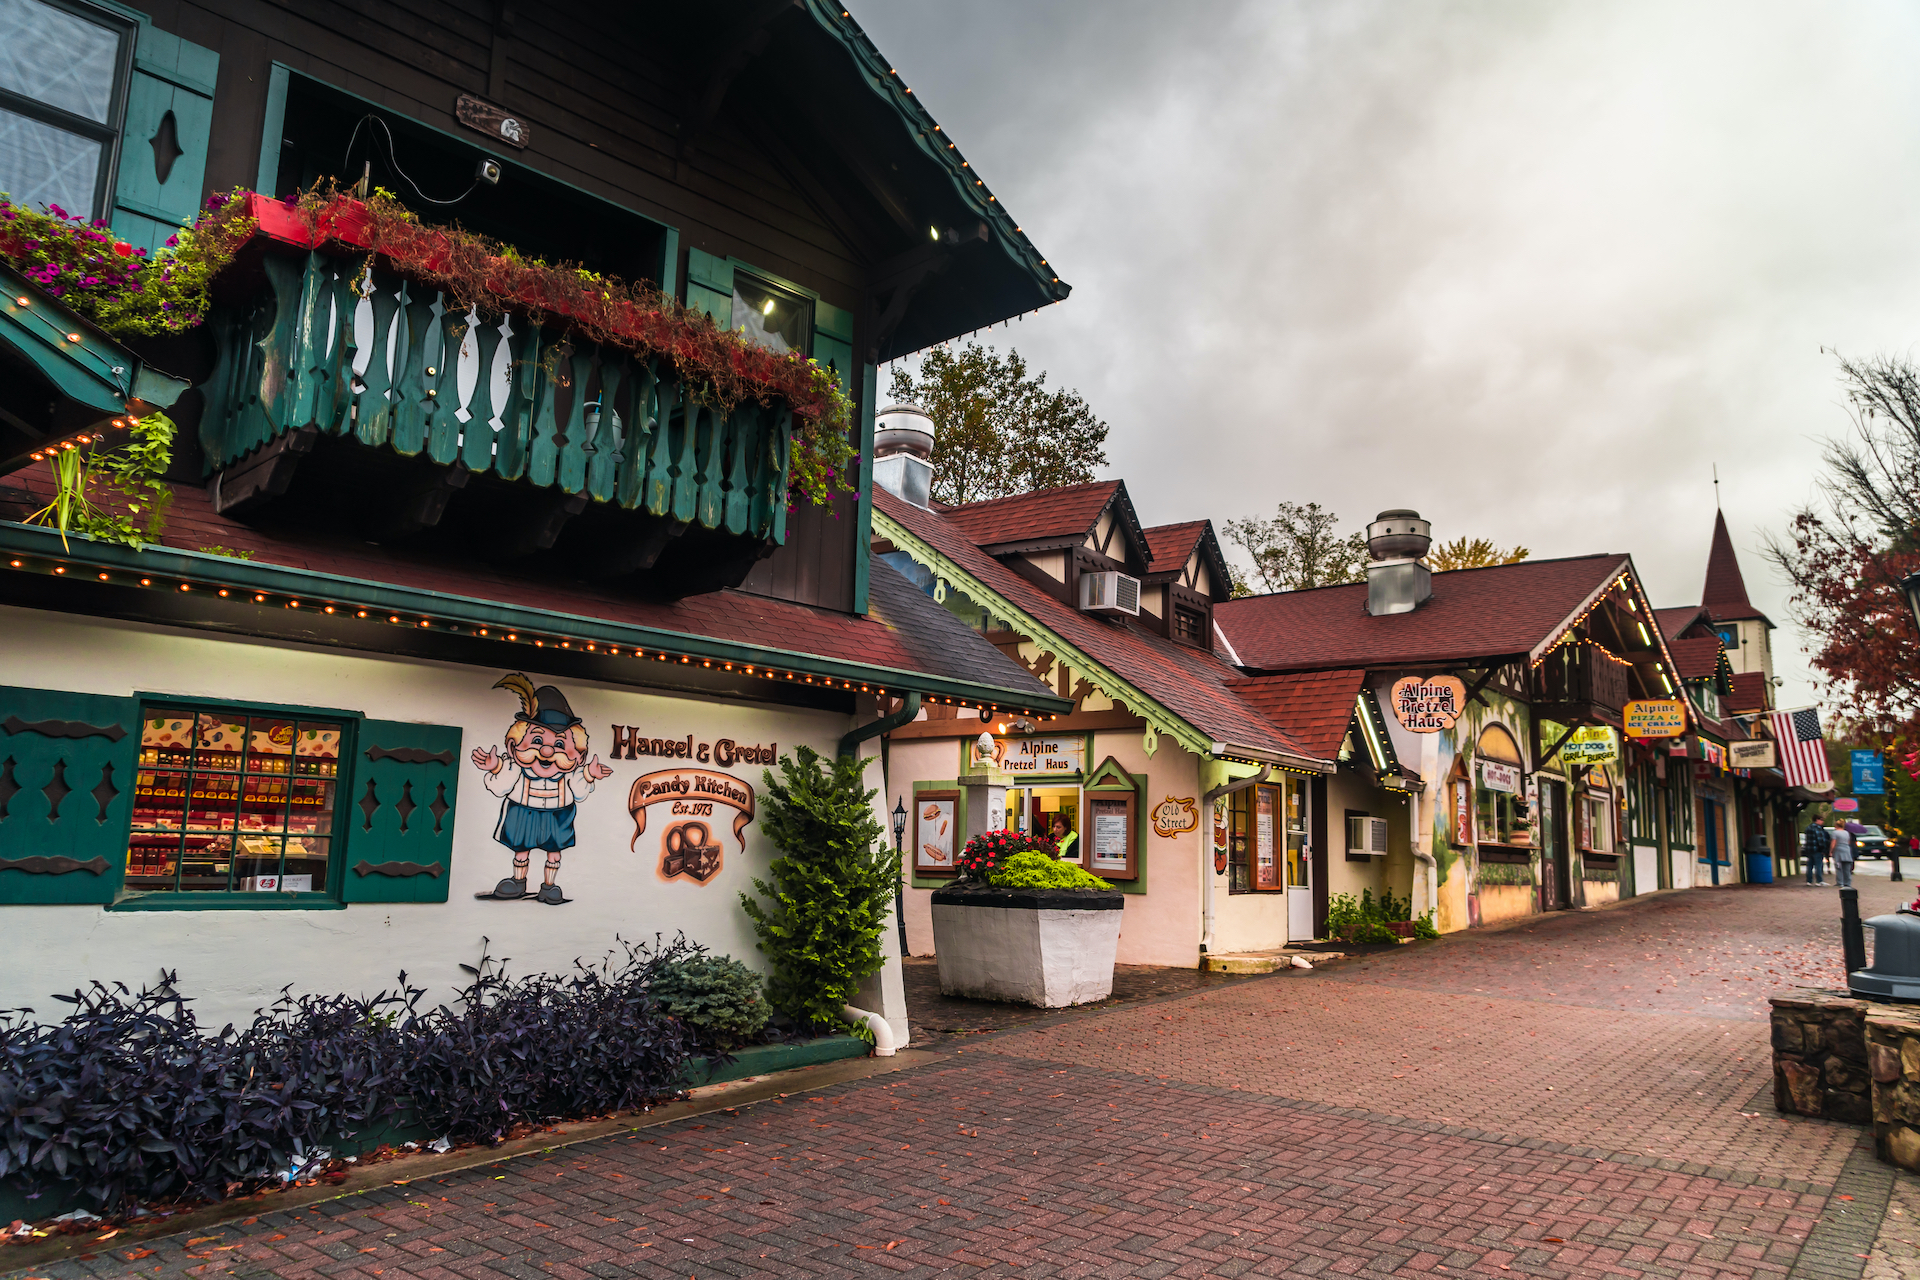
1575, 1097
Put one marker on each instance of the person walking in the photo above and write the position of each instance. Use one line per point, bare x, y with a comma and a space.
1813, 851
1843, 857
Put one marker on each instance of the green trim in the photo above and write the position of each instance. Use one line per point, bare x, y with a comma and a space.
762, 1059
670, 263
917, 880
251, 708
465, 613
273, 130
904, 539
924, 134
95, 371
863, 486
228, 900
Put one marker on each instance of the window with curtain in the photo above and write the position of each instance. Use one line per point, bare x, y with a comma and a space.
61, 70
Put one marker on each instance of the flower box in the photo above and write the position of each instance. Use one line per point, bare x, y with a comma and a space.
1045, 947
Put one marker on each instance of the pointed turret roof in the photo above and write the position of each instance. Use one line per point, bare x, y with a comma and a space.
1725, 595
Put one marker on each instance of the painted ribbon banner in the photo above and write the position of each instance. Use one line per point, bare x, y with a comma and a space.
1428, 704
1590, 744
1755, 753
1655, 718
693, 792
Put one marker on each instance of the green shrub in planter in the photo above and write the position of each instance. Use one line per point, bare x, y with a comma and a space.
718, 998
1035, 870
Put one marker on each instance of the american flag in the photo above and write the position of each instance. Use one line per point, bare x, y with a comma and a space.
1803, 754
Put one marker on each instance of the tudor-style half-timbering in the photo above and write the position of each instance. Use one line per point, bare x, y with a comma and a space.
1186, 575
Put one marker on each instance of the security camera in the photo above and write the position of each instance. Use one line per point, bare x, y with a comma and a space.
487, 171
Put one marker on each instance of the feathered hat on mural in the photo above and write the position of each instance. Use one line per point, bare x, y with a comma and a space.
545, 705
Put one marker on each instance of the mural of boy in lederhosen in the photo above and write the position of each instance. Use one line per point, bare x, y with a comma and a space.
542, 776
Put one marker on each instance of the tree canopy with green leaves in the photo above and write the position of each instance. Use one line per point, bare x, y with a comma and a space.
1474, 553
1299, 548
998, 430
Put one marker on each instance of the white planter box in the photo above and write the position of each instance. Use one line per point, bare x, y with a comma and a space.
1047, 947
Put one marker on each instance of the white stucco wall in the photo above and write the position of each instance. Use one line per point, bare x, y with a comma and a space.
1160, 926
232, 961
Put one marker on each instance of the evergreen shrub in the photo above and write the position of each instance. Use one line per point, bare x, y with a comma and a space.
829, 892
718, 998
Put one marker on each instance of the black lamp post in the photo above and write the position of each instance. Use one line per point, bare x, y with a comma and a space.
899, 874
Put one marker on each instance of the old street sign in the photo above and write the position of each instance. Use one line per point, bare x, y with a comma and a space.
1754, 753
1655, 718
1428, 704
1173, 816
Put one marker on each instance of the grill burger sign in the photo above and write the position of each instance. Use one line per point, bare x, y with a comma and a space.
1428, 704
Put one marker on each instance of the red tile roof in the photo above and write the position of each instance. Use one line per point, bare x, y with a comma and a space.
898, 635
1172, 545
1473, 613
1698, 658
1725, 595
1315, 707
1067, 512
1191, 683
1750, 693
1674, 622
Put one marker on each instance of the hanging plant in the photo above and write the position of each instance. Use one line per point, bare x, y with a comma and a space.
117, 286
114, 495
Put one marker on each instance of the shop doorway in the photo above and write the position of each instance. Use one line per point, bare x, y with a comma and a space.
1555, 868
1709, 845
1299, 864
1044, 810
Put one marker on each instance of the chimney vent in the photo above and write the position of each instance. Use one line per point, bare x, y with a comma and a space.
903, 453
1396, 580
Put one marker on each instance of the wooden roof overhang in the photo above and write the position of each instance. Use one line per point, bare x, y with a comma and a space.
174, 587
804, 79
64, 383
1608, 651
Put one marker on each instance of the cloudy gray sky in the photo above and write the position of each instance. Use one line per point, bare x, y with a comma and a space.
1532, 268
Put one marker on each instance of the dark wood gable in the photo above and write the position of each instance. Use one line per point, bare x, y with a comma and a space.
755, 149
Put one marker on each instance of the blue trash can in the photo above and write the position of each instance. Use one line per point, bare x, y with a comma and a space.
1759, 868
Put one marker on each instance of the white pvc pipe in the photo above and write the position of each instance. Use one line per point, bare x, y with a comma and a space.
883, 1045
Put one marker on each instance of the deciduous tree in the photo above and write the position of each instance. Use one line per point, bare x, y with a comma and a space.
1846, 554
998, 430
1476, 553
1297, 549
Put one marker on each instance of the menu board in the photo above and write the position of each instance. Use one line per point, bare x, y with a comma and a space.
1266, 865
935, 831
1112, 834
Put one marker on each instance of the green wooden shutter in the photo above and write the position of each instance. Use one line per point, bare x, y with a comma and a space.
400, 812
163, 149
710, 286
68, 762
833, 341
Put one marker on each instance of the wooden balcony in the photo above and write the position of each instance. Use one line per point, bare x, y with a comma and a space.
383, 398
1580, 683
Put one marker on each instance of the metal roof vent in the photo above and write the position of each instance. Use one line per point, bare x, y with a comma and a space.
1396, 580
1895, 972
903, 453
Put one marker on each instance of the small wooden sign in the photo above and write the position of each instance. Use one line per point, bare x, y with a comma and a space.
493, 121
1753, 753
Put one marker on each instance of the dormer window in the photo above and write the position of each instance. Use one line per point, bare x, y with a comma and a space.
1189, 626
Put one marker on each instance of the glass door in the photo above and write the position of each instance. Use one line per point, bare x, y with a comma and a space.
1299, 864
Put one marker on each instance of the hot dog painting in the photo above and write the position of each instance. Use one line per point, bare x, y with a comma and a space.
935, 829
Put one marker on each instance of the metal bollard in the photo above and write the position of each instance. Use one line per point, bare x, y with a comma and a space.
1853, 939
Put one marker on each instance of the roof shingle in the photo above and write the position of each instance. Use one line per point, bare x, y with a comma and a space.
1314, 707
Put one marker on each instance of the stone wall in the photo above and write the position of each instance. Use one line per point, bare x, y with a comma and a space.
1893, 1060
1820, 1055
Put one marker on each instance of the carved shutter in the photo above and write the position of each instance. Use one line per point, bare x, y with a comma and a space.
710, 286
400, 812
67, 769
833, 341
163, 150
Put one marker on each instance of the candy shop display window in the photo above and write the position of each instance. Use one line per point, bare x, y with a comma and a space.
234, 802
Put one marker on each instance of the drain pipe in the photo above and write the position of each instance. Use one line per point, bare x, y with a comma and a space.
850, 745
1206, 863
1414, 832
883, 1042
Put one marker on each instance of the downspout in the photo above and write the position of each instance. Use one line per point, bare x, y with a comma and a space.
850, 745
1415, 832
1206, 865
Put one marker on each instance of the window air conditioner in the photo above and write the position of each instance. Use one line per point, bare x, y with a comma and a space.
1367, 837
1109, 593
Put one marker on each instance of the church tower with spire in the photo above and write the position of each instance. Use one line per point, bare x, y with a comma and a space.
1744, 630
